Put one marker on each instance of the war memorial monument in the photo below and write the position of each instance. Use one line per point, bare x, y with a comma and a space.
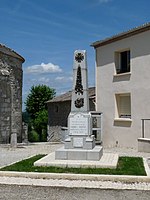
79, 149
80, 145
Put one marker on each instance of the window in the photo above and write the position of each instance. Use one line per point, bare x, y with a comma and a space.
56, 108
123, 102
122, 61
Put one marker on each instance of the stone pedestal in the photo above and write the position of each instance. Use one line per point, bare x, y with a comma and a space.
13, 140
79, 154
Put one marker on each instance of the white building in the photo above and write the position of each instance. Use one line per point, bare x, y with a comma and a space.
123, 86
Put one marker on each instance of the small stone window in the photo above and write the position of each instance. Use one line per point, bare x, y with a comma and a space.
122, 61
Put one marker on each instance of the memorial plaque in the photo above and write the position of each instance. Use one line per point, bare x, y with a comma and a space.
78, 142
78, 125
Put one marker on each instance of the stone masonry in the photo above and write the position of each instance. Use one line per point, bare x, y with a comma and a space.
10, 94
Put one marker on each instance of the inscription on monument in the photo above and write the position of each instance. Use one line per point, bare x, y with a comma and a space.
78, 142
78, 125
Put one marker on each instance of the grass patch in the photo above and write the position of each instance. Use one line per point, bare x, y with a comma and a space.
126, 166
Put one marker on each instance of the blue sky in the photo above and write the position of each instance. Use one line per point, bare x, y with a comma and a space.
47, 32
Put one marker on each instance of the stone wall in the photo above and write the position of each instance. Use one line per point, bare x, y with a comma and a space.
58, 113
10, 95
5, 110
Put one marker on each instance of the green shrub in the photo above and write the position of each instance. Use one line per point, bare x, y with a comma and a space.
44, 136
33, 136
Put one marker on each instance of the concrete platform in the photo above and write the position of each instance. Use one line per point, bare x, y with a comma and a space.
108, 160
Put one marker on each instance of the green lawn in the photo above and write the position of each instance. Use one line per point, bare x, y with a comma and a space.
126, 166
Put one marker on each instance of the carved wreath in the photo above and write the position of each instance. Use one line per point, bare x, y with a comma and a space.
79, 102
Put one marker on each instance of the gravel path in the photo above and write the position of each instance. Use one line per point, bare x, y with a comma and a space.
10, 155
127, 152
116, 185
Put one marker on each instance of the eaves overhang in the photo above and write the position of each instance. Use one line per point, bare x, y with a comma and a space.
123, 35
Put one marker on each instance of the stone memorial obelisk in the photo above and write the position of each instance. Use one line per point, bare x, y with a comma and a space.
80, 144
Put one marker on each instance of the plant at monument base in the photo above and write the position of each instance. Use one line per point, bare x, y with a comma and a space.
36, 107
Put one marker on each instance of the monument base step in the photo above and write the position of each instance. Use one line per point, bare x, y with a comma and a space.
79, 154
108, 160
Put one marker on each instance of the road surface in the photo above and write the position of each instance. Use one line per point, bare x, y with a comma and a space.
14, 192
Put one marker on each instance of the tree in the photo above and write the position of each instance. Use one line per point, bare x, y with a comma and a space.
25, 117
40, 124
37, 98
36, 107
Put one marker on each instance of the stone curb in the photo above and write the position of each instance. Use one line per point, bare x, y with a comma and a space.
87, 177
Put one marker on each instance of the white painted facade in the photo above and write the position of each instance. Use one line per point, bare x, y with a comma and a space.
124, 132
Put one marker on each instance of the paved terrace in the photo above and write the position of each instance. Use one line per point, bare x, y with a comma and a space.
10, 155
